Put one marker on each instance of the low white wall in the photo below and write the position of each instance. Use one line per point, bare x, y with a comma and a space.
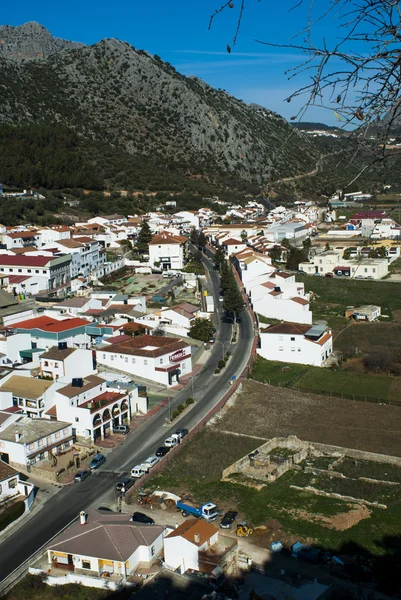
103, 584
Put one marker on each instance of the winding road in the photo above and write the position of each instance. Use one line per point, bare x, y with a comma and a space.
65, 506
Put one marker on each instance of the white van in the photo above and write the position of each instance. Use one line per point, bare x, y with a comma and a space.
172, 441
137, 471
149, 463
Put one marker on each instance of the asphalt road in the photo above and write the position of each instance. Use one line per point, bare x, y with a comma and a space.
63, 507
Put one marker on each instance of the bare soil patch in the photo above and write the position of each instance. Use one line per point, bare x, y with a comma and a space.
339, 522
266, 411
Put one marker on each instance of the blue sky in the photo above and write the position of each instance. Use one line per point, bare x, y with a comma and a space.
177, 30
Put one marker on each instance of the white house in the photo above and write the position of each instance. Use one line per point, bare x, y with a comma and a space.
176, 320
42, 272
183, 545
77, 306
167, 250
232, 245
11, 484
11, 346
103, 544
160, 359
87, 255
29, 395
291, 230
28, 441
331, 261
61, 362
94, 407
293, 343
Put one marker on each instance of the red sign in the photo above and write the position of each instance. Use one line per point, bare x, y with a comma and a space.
177, 356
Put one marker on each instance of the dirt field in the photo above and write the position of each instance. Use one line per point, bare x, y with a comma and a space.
265, 411
364, 337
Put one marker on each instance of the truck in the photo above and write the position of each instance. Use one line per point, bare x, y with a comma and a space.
209, 304
206, 511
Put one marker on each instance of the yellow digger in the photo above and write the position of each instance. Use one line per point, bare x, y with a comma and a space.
243, 530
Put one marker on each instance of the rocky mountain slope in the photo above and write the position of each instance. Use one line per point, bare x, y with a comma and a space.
31, 40
113, 94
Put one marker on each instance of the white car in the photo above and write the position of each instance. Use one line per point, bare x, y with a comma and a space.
149, 463
137, 472
172, 441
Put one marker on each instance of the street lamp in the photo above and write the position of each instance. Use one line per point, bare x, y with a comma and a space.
223, 345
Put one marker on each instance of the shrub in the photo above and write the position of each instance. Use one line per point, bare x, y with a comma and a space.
217, 371
175, 414
221, 364
189, 401
228, 353
180, 407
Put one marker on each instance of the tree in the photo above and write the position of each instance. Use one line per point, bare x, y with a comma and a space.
294, 257
233, 300
202, 241
219, 258
194, 237
201, 329
143, 238
127, 244
244, 236
275, 253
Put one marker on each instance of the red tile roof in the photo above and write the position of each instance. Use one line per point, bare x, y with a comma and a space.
138, 346
48, 324
288, 329
300, 301
25, 261
18, 278
167, 238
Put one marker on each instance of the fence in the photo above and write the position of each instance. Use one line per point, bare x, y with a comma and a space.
355, 397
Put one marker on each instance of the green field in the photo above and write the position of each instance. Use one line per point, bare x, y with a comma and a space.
327, 381
333, 295
361, 338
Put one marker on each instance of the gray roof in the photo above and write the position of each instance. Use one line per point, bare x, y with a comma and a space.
31, 430
88, 383
108, 536
55, 353
74, 302
6, 299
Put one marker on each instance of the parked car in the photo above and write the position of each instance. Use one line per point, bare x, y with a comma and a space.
82, 475
211, 340
329, 274
97, 461
182, 432
172, 441
149, 463
139, 517
228, 519
137, 471
162, 451
123, 429
124, 482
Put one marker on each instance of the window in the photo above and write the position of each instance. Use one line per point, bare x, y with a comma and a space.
280, 338
57, 435
366, 270
104, 357
374, 270
19, 270
292, 348
133, 361
36, 270
152, 550
280, 349
86, 564
126, 359
13, 483
112, 357
76, 419
46, 363
31, 446
145, 362
293, 339
161, 361
65, 431
29, 270
40, 443
299, 349
11, 270
183, 367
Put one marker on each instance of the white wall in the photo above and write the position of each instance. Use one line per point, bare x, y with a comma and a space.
180, 553
172, 252
293, 349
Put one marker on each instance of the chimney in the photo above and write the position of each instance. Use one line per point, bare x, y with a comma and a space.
197, 538
82, 517
17, 436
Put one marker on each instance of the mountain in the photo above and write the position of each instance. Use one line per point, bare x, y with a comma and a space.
139, 111
309, 125
31, 40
